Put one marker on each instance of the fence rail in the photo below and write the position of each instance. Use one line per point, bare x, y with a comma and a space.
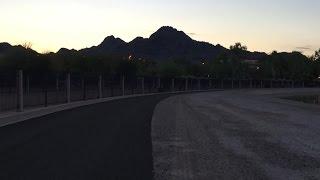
19, 91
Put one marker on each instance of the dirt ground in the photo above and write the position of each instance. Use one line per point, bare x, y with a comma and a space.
237, 134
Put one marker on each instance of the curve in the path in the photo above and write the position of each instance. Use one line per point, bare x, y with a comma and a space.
104, 141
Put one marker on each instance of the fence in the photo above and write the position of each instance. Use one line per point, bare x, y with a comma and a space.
19, 90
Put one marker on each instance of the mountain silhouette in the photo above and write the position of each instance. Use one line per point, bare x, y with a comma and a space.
167, 43
8, 49
4, 46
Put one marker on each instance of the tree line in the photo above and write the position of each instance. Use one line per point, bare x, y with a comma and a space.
227, 65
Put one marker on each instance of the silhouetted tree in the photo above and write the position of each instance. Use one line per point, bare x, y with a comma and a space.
126, 68
229, 66
287, 66
238, 49
316, 64
27, 45
171, 69
317, 55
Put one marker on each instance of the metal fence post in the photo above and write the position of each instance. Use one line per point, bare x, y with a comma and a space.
172, 85
20, 91
210, 83
232, 84
28, 85
57, 83
84, 88
142, 85
199, 84
132, 87
68, 83
122, 85
153, 83
159, 83
292, 84
46, 92
100, 86
186, 84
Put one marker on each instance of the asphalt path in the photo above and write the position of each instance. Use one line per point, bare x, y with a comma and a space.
104, 141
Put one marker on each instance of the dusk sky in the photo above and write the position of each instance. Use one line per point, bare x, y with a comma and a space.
283, 25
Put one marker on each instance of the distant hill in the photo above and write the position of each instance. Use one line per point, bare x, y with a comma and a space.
167, 43
4, 46
18, 51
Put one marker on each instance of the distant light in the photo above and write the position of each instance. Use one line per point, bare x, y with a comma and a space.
130, 57
203, 63
258, 68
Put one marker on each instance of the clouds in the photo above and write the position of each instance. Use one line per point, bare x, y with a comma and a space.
307, 49
304, 48
192, 34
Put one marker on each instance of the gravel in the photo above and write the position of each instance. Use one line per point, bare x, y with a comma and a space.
238, 134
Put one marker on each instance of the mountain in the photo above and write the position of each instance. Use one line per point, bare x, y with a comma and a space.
110, 45
167, 43
6, 49
4, 46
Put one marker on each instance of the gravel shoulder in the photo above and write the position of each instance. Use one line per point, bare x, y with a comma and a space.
243, 134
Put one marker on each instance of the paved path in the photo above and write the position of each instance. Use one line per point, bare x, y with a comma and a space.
236, 135
104, 141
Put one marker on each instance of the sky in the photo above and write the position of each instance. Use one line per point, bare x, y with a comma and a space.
262, 25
